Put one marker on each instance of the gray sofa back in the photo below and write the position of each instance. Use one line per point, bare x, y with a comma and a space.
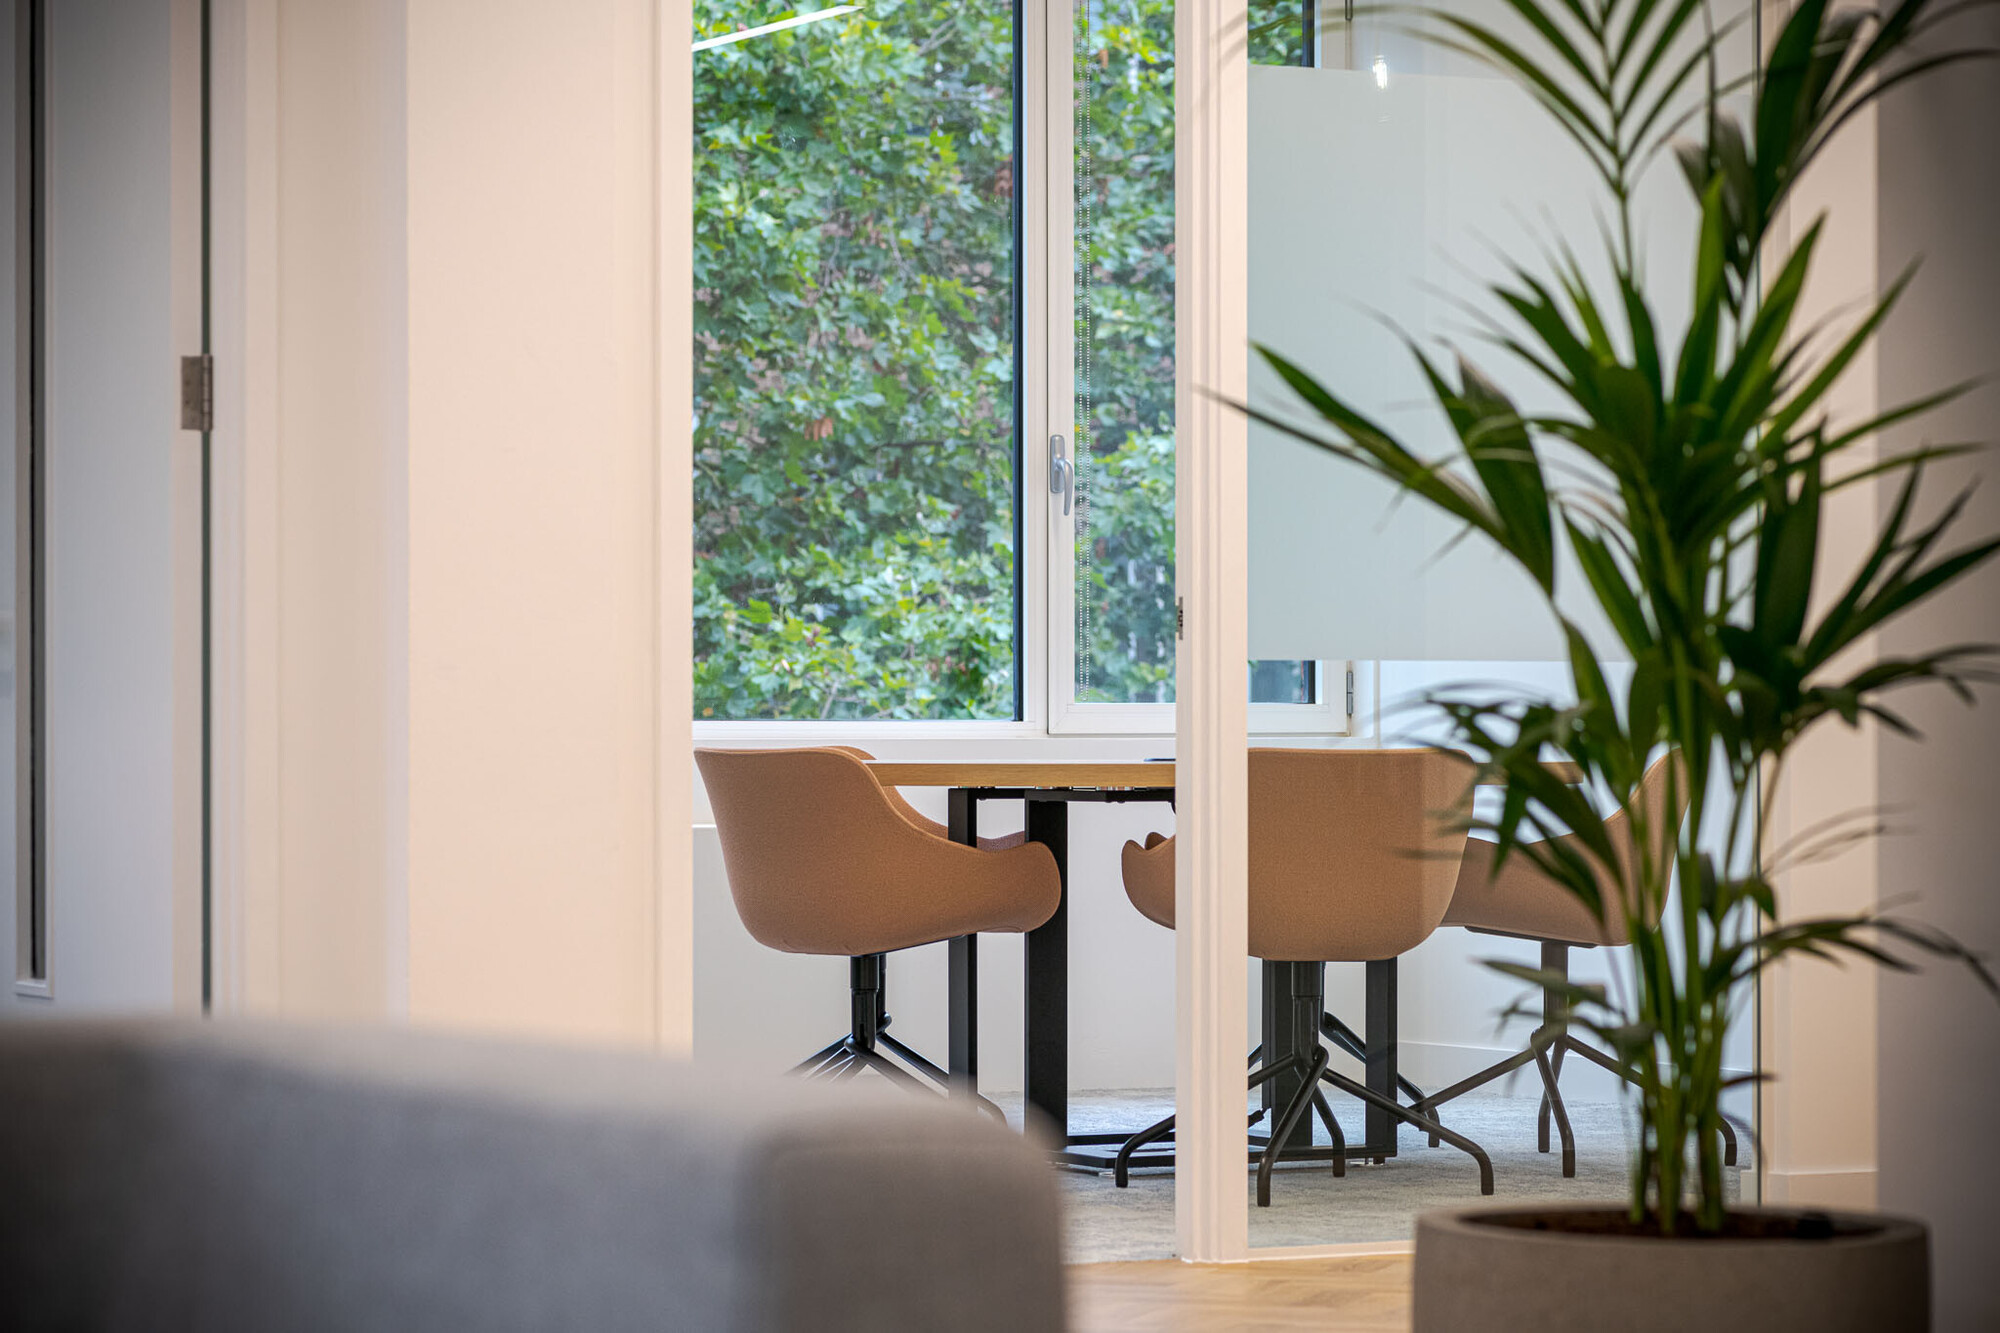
225, 1176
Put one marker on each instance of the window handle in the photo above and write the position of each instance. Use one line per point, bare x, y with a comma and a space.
1062, 474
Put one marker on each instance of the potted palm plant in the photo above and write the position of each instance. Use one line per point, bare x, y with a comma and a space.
1689, 483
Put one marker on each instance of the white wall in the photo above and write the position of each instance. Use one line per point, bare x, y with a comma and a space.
439, 767
532, 484
337, 559
1817, 1021
1940, 1034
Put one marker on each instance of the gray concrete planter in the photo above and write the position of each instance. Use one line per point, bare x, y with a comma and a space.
1476, 1271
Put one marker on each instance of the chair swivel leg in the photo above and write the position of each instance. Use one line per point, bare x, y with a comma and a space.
1554, 1057
1310, 1067
1410, 1115
817, 1063
1546, 1048
1308, 1058
1163, 1129
1552, 1097
1348, 1040
1121, 1164
1333, 1131
1428, 1106
1727, 1127
1555, 960
936, 1075
867, 1034
1549, 1045
1160, 1130
922, 1066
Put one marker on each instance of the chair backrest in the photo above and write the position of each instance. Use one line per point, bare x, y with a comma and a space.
1353, 853
1521, 900
812, 845
1664, 825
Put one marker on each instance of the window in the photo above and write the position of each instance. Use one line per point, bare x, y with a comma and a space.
874, 234
857, 431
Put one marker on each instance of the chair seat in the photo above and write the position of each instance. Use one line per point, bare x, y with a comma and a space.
1353, 853
1520, 900
823, 860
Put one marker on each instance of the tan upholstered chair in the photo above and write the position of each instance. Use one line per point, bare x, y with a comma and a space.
1518, 900
1353, 855
822, 859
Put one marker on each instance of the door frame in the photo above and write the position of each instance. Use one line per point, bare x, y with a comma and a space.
1212, 687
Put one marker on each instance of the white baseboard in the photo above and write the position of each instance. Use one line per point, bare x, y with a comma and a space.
1844, 1187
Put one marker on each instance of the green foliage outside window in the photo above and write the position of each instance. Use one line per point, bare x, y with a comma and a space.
1125, 461
854, 365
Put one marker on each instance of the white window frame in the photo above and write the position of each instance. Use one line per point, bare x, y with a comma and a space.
1047, 652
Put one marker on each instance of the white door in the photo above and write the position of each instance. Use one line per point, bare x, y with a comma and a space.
119, 534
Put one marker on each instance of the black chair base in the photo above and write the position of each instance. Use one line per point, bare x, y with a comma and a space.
861, 1049
1349, 1041
1547, 1046
1310, 1062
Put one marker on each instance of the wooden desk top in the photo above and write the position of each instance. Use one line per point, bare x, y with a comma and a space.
1160, 776
1052, 775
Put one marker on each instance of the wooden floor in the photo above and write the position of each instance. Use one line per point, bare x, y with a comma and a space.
1367, 1294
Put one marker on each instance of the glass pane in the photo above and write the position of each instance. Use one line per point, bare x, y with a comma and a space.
1124, 331
1284, 682
855, 427
1279, 32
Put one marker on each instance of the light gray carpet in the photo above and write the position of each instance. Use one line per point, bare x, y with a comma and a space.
1372, 1203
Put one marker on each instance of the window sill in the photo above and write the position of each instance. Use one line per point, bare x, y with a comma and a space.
835, 733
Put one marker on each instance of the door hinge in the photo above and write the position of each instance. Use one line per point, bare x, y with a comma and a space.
198, 393
1180, 618
1350, 692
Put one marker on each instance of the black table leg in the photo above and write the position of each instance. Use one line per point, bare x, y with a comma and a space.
962, 1045
1380, 1025
1046, 1028
962, 986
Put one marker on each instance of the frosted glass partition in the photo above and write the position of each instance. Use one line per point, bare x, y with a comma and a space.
1382, 201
